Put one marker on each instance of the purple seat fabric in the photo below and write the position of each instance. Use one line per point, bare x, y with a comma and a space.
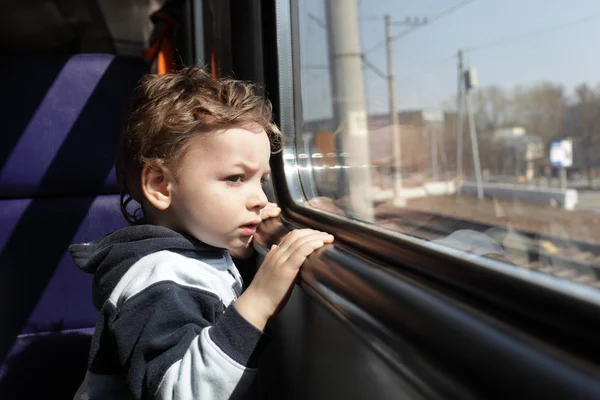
61, 121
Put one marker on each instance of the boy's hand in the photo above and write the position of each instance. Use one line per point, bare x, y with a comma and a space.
271, 210
275, 277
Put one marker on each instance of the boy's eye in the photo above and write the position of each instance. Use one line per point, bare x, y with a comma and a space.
264, 179
235, 179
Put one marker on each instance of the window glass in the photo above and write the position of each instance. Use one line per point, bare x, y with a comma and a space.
473, 124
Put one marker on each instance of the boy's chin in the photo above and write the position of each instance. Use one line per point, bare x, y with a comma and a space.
241, 243
241, 249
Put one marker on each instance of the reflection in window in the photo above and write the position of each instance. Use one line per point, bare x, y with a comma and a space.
472, 124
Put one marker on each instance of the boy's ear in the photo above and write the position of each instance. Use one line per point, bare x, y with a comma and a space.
157, 185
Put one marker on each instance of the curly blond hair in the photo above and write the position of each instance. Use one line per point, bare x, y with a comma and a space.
168, 110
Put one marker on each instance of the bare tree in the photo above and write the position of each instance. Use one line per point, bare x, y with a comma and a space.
588, 122
492, 106
541, 109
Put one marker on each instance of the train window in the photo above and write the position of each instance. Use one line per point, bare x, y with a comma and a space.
472, 125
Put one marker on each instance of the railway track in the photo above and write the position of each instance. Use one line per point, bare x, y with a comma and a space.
575, 260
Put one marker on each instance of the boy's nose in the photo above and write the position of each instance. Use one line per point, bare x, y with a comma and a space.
258, 201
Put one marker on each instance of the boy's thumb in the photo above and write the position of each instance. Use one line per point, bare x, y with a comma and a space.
273, 247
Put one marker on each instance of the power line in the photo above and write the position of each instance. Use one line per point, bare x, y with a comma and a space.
450, 10
521, 36
371, 18
317, 20
366, 62
431, 20
431, 68
370, 65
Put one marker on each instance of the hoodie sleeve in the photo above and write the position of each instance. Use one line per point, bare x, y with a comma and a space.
160, 321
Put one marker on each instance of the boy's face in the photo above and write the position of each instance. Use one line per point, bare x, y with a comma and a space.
218, 192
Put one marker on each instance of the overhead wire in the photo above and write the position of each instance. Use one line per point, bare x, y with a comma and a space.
527, 35
431, 20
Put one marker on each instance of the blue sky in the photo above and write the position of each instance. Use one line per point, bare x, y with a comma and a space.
426, 58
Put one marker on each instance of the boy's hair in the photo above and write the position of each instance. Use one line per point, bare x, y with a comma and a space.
168, 110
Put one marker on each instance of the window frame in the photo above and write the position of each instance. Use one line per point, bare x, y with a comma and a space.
531, 299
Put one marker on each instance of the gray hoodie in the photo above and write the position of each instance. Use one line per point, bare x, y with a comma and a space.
167, 327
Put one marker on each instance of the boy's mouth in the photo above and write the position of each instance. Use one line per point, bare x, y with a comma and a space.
250, 229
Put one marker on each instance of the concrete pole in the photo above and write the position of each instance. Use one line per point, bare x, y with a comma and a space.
474, 146
434, 150
459, 122
345, 63
394, 123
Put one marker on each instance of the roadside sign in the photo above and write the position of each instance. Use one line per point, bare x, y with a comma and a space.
561, 153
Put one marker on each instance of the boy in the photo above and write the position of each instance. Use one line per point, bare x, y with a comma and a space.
173, 322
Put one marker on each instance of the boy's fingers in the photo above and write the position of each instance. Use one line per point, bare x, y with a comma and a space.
271, 210
301, 241
296, 247
298, 257
300, 234
271, 206
291, 237
294, 258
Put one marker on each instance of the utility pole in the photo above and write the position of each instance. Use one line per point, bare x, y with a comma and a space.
394, 123
349, 104
459, 115
433, 135
470, 81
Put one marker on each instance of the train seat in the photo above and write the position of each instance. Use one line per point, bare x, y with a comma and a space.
61, 120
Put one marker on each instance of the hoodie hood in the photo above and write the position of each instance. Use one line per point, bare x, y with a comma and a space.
111, 256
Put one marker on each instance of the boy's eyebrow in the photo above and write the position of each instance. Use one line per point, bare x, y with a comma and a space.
250, 167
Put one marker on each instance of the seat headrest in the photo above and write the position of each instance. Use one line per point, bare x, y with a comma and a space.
61, 119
